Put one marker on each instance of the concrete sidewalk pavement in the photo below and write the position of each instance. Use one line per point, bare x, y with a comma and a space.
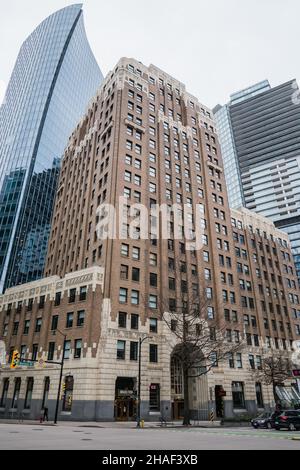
113, 424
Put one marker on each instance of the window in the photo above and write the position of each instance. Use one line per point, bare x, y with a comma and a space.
67, 349
72, 296
251, 361
28, 396
77, 348
26, 327
136, 274
210, 313
134, 321
46, 391
134, 346
125, 250
70, 318
154, 397
153, 325
38, 325
4, 393
153, 280
238, 397
152, 187
23, 352
51, 349
259, 395
34, 352
121, 345
239, 362
227, 314
80, 318
123, 272
30, 305
152, 301
83, 293
127, 193
54, 323
153, 353
123, 295
16, 394
57, 299
122, 319
42, 301
135, 253
153, 259
135, 297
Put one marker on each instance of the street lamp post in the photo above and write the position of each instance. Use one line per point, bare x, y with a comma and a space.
138, 424
60, 377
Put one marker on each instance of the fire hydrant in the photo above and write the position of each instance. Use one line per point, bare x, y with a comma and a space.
142, 423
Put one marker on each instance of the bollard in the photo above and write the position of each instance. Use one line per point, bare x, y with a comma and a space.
212, 416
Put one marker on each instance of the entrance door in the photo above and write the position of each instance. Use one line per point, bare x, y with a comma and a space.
125, 399
178, 409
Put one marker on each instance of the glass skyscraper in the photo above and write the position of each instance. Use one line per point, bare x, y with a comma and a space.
259, 132
53, 80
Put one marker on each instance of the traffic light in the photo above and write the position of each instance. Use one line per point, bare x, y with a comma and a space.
15, 360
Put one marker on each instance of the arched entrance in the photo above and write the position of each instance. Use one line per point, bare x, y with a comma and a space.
177, 394
125, 399
198, 386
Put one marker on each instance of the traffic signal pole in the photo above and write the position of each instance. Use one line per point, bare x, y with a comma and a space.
60, 377
59, 387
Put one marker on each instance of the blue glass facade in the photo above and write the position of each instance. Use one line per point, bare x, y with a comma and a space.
54, 78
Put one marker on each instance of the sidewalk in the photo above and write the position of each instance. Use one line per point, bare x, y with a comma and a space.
112, 424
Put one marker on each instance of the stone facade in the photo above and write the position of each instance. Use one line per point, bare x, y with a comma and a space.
146, 138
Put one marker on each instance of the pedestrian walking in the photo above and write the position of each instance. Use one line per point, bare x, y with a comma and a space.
45, 417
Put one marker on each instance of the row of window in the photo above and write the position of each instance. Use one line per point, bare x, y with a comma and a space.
77, 350
134, 351
54, 323
66, 398
134, 322
42, 300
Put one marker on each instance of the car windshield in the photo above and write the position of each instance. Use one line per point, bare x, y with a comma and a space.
263, 415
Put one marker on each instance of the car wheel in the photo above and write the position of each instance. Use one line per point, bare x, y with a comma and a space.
277, 428
292, 427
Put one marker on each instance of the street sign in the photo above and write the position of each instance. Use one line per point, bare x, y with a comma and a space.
40, 363
26, 364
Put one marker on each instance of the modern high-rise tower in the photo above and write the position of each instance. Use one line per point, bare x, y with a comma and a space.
259, 132
54, 78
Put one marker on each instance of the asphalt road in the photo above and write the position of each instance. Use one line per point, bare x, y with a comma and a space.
33, 437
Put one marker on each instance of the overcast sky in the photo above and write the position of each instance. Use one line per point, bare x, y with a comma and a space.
215, 47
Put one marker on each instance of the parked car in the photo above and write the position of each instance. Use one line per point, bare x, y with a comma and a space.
288, 420
265, 420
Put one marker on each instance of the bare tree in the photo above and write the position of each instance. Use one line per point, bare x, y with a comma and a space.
274, 370
202, 342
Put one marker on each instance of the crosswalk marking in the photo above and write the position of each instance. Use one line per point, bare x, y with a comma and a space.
269, 435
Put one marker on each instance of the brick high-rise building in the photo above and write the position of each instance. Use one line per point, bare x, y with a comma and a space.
145, 139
